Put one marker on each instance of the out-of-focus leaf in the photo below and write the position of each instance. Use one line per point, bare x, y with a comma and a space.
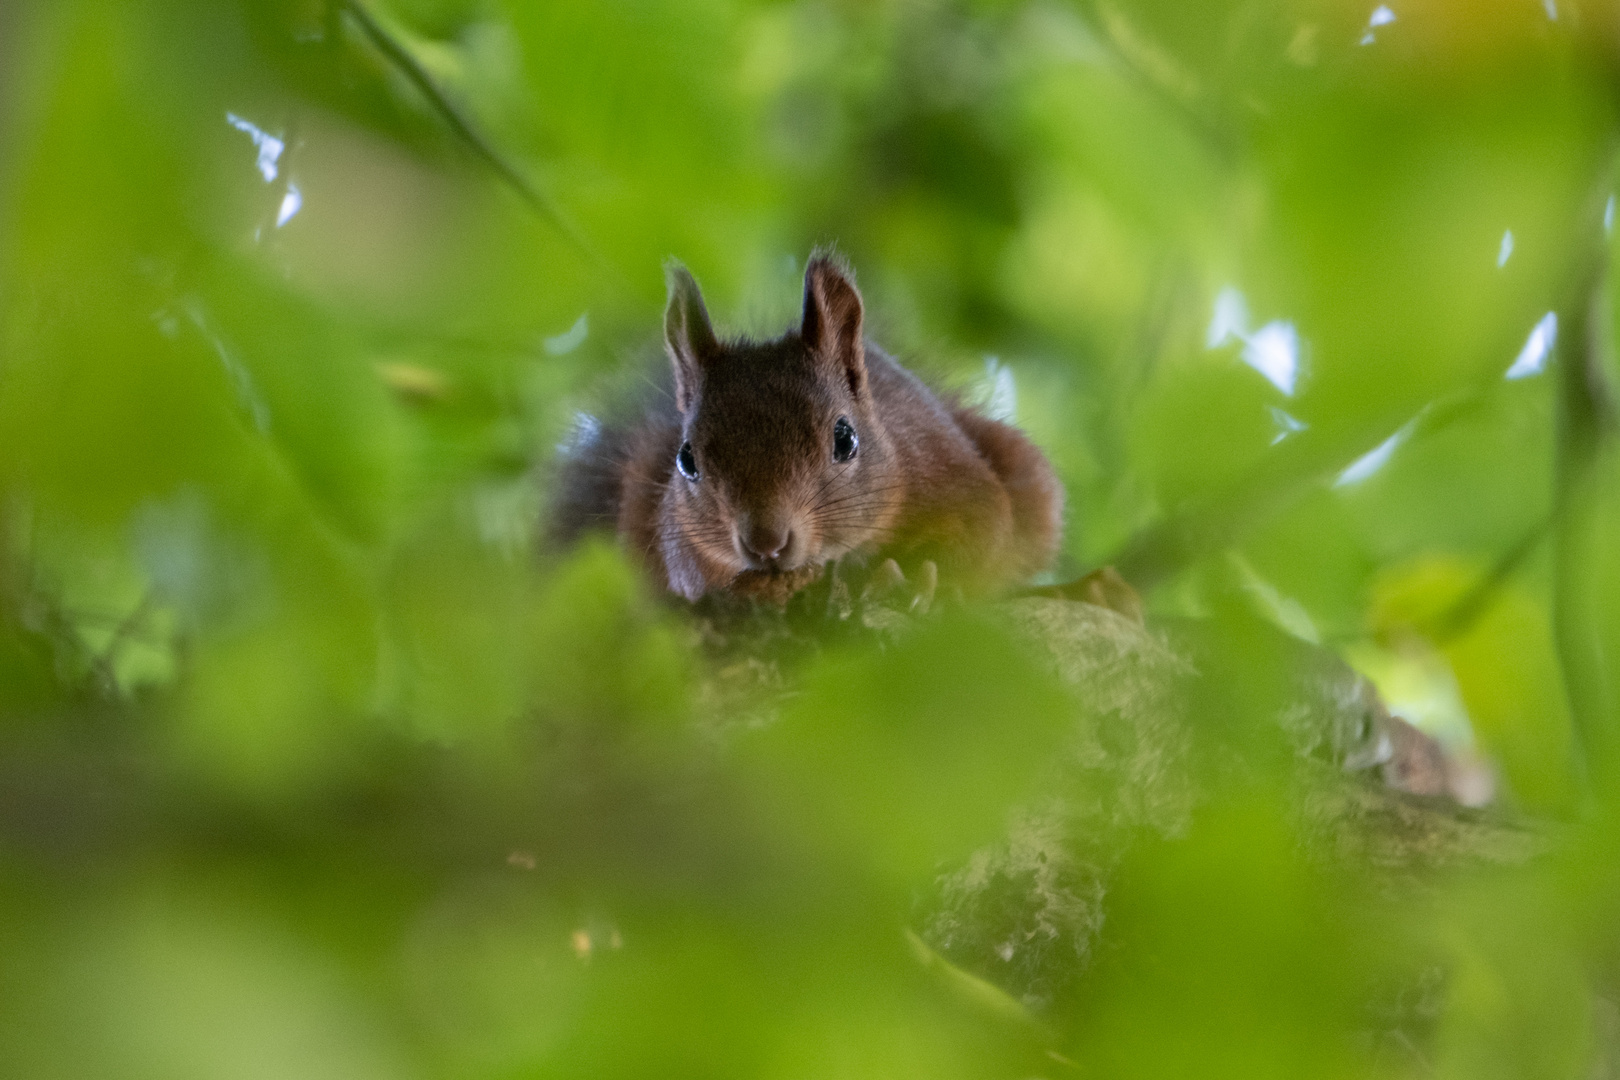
1518, 1002
907, 757
176, 987
1236, 958
602, 652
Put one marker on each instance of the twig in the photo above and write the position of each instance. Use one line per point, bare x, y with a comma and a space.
1585, 430
1460, 616
1115, 33
401, 57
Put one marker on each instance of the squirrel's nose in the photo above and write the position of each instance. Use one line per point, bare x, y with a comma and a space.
765, 542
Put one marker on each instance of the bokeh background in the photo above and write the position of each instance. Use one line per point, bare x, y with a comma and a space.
310, 763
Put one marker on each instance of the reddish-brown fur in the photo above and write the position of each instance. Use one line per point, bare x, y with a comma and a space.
927, 481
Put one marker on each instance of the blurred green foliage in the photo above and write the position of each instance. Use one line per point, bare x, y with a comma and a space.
309, 766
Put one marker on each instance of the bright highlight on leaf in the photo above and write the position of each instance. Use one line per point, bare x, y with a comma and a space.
269, 146
1532, 359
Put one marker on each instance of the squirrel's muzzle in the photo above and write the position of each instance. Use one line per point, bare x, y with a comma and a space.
767, 543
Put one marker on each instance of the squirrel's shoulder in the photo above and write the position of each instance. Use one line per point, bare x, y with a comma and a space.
898, 391
604, 454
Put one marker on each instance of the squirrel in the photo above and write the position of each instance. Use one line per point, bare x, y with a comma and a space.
772, 459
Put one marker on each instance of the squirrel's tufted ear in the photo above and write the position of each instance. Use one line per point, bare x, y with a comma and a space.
832, 319
688, 337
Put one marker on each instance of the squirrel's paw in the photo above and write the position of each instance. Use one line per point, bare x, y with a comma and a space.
1106, 588
926, 583
884, 583
890, 598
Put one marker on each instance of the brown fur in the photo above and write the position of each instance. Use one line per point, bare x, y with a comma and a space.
927, 482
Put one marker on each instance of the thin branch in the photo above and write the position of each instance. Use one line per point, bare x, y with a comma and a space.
1277, 482
1584, 433
1456, 620
402, 58
1115, 33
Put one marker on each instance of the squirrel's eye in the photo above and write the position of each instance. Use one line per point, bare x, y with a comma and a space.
845, 441
687, 462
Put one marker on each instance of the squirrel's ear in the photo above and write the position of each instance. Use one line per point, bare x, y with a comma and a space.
832, 319
688, 337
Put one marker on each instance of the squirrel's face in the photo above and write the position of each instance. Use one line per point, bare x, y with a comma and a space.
782, 463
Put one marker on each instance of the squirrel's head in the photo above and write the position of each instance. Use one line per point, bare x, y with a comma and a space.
782, 461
